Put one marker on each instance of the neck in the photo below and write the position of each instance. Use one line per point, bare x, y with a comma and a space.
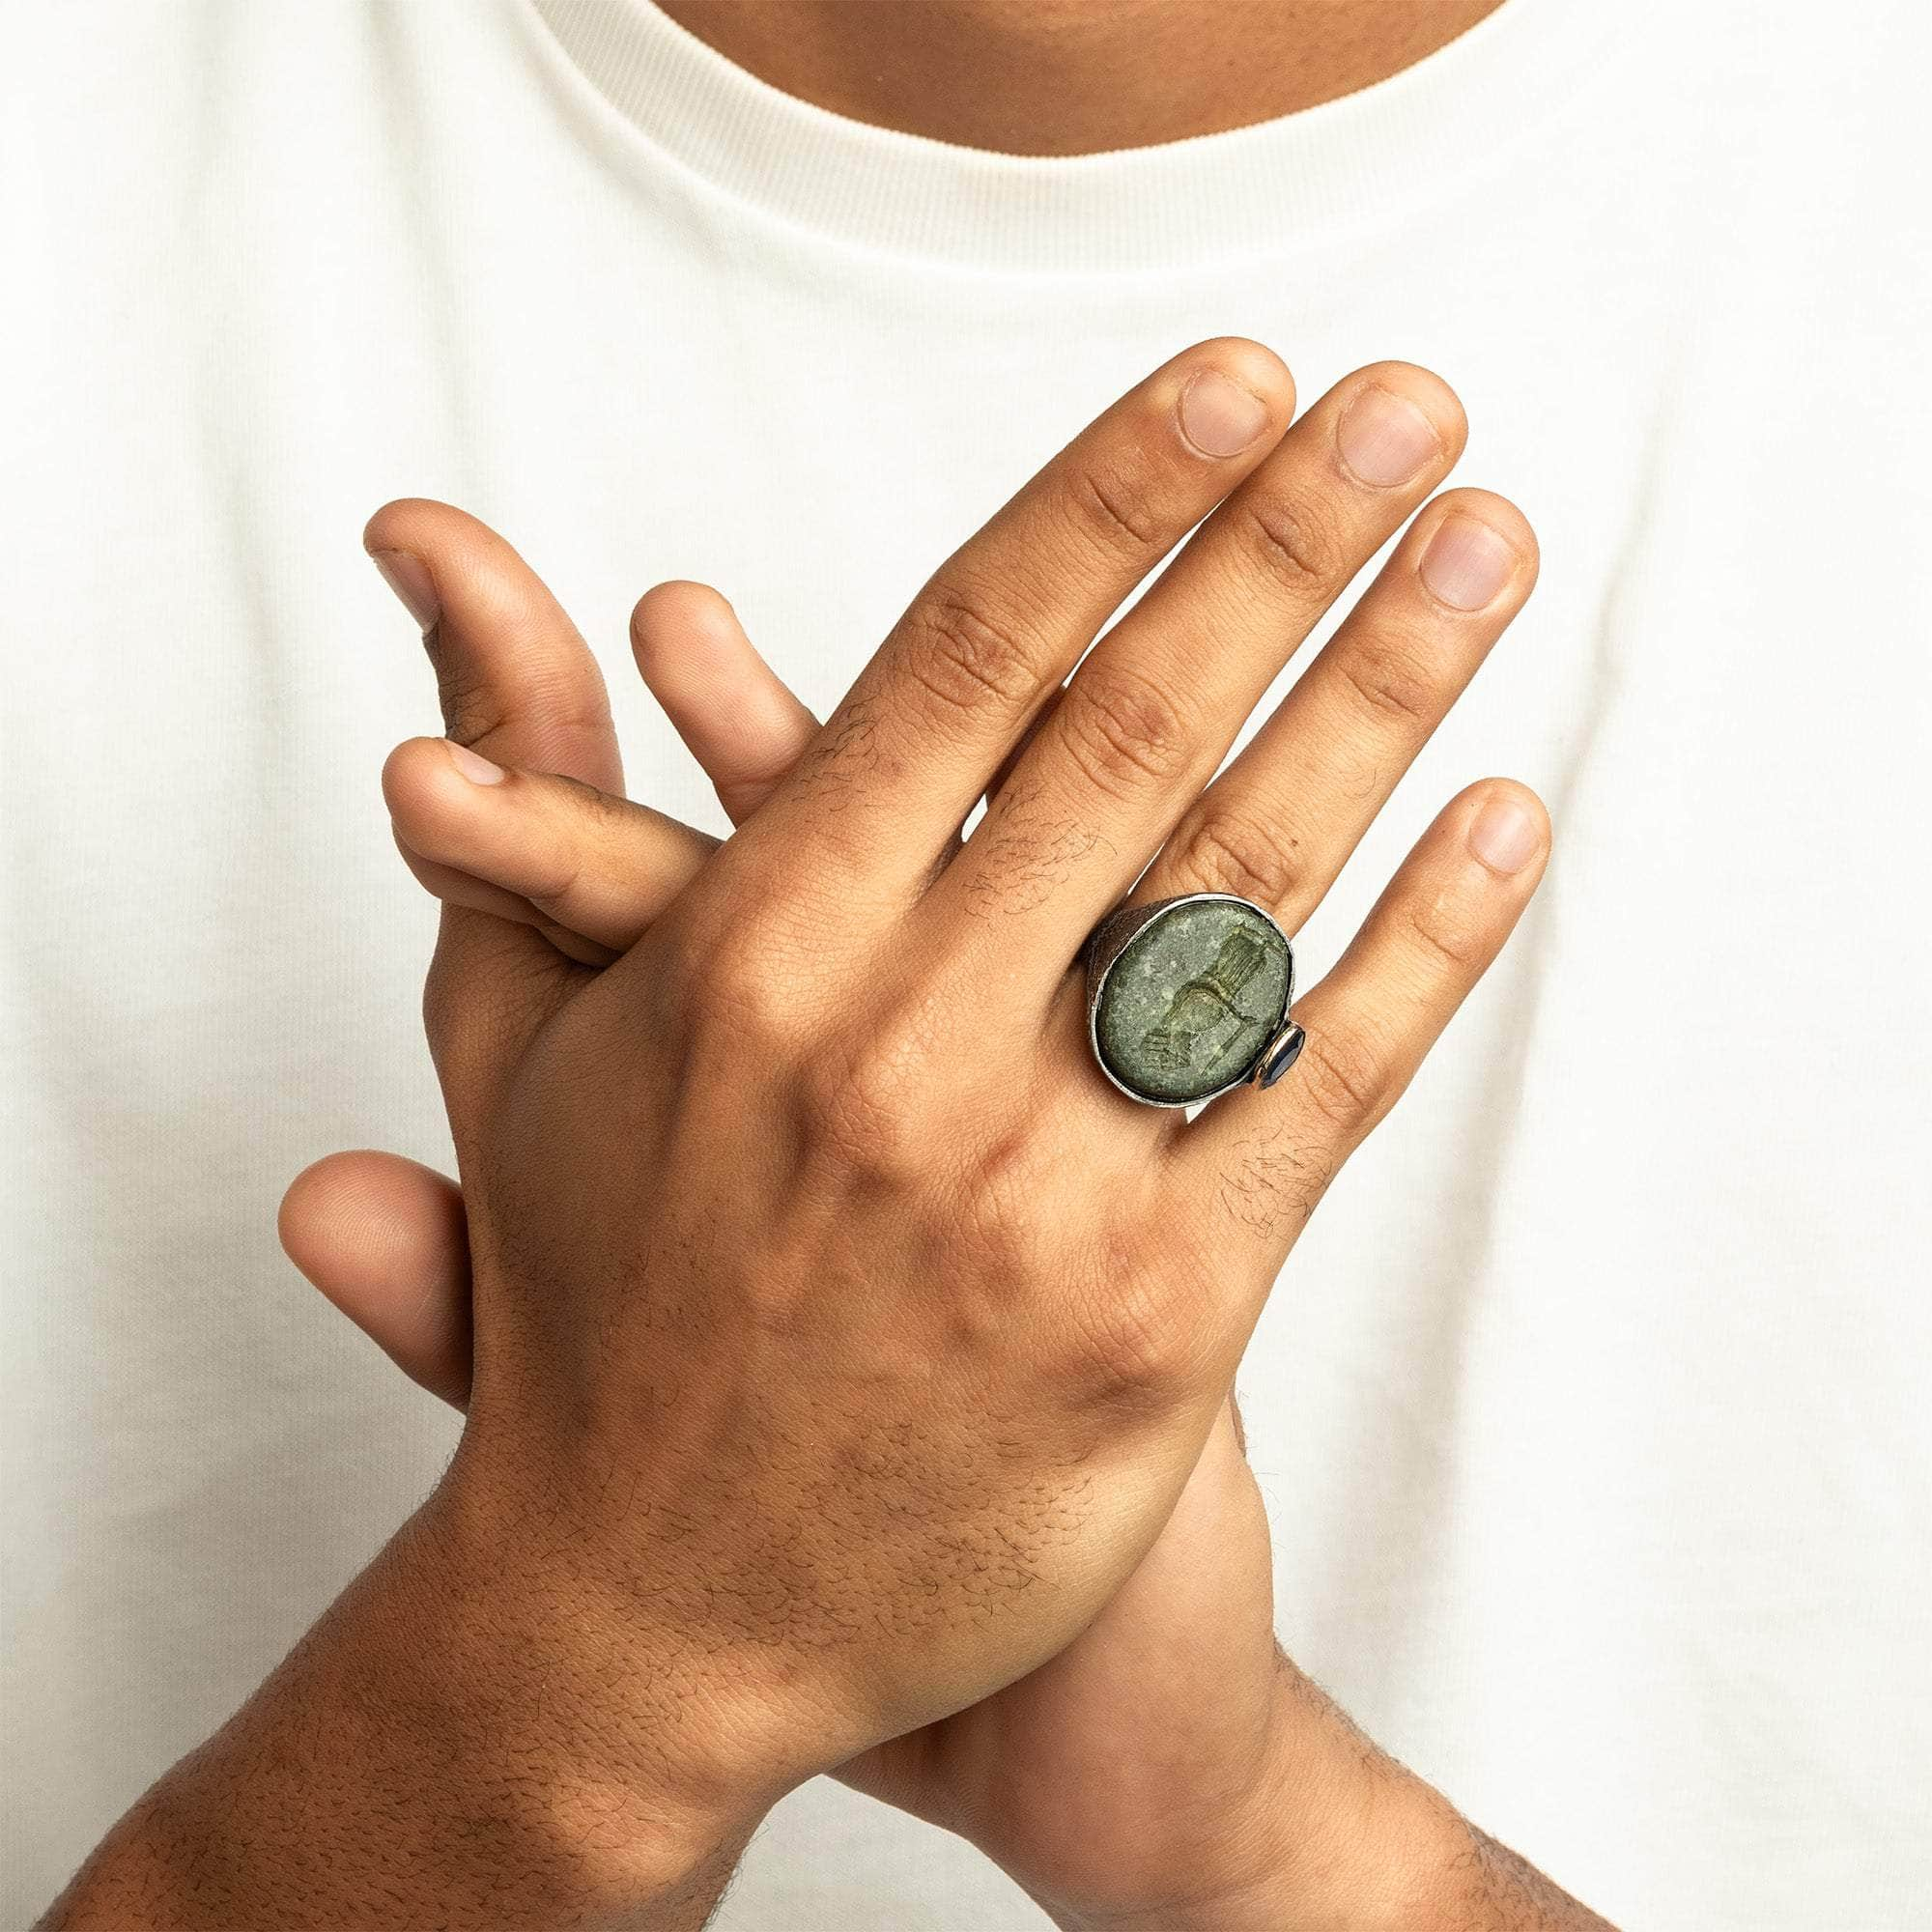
1072, 76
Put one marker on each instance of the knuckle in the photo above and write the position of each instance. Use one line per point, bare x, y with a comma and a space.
1390, 681
863, 1104
846, 1111
554, 894
999, 1207
1123, 730
1118, 511
746, 1011
1228, 854
479, 1004
569, 859
1447, 937
1299, 542
1342, 1081
740, 993
442, 1007
965, 656
477, 707
591, 805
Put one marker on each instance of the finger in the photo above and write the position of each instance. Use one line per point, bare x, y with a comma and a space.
516, 680
517, 684
462, 889
1255, 1163
385, 1240
594, 866
997, 627
1152, 709
1279, 824
736, 714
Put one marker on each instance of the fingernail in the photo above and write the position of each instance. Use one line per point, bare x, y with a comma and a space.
1219, 416
1504, 836
473, 766
1384, 438
1467, 563
408, 576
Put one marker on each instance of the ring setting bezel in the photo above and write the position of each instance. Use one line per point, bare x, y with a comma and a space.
1110, 939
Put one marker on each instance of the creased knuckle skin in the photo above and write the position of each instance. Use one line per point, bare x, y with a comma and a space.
1220, 852
1391, 683
591, 806
1341, 1080
997, 1189
1448, 941
1121, 730
967, 655
1296, 542
1116, 510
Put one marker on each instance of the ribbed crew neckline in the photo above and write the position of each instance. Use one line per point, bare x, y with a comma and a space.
1250, 191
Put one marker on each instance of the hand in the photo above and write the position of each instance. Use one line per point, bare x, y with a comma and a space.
1139, 1752
938, 1772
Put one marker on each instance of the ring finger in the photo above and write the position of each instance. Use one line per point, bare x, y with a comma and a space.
1255, 1164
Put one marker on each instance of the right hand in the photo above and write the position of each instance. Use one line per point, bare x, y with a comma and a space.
941, 1231
1146, 1762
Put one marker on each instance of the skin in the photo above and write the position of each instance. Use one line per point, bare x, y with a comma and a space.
886, 1388
1074, 77
1146, 1763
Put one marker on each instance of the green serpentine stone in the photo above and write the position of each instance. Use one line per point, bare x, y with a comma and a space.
1192, 998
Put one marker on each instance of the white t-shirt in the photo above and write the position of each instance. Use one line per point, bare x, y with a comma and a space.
1592, 1409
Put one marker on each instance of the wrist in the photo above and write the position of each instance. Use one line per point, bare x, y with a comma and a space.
642, 1758
653, 1677
424, 1755
1329, 1834
1334, 1836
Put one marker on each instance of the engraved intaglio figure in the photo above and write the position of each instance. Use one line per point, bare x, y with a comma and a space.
1206, 1004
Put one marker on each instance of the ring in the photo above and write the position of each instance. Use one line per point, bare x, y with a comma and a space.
1188, 996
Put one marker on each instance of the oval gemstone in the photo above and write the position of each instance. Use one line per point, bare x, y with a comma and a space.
1191, 999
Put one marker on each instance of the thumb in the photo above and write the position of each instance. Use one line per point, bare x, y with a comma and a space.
385, 1240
